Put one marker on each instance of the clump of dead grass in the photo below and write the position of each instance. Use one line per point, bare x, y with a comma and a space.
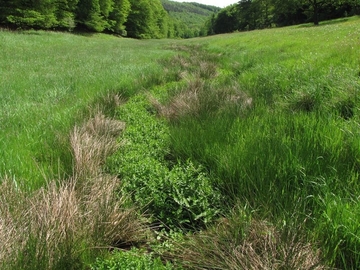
54, 225
246, 244
11, 201
187, 102
193, 60
207, 70
93, 142
200, 98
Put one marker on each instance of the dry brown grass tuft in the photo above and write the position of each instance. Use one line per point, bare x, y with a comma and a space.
198, 98
207, 70
93, 142
185, 103
56, 222
194, 61
256, 245
11, 208
106, 218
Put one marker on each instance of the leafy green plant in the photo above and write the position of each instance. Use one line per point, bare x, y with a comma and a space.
132, 259
178, 194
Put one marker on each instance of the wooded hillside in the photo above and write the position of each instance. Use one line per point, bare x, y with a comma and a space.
132, 18
165, 18
191, 18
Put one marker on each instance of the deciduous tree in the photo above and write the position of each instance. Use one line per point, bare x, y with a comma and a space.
65, 13
89, 15
119, 15
32, 13
147, 19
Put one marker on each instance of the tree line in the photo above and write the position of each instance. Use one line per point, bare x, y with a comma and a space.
259, 14
167, 19
133, 18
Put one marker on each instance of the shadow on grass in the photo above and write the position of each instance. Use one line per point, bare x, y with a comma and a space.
323, 23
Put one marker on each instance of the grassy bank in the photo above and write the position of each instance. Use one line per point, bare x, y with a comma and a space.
49, 81
293, 156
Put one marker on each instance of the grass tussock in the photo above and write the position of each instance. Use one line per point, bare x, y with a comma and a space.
54, 226
193, 60
246, 244
93, 142
184, 103
199, 98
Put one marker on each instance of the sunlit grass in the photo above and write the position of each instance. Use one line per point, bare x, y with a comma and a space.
271, 117
48, 80
295, 155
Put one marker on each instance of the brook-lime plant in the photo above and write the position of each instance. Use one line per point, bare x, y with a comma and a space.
178, 194
133, 259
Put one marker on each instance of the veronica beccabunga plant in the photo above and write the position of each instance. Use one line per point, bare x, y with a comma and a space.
178, 194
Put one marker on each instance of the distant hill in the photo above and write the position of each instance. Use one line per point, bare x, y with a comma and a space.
191, 17
192, 7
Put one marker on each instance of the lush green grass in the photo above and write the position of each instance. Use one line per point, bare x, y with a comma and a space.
269, 119
49, 80
295, 155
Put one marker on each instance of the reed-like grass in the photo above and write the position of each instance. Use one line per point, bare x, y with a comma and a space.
242, 242
67, 224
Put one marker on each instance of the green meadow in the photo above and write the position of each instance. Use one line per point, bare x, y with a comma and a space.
51, 80
234, 151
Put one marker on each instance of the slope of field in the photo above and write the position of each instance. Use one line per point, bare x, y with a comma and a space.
286, 143
48, 81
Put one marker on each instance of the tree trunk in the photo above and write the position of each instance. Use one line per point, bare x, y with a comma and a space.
315, 5
316, 13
